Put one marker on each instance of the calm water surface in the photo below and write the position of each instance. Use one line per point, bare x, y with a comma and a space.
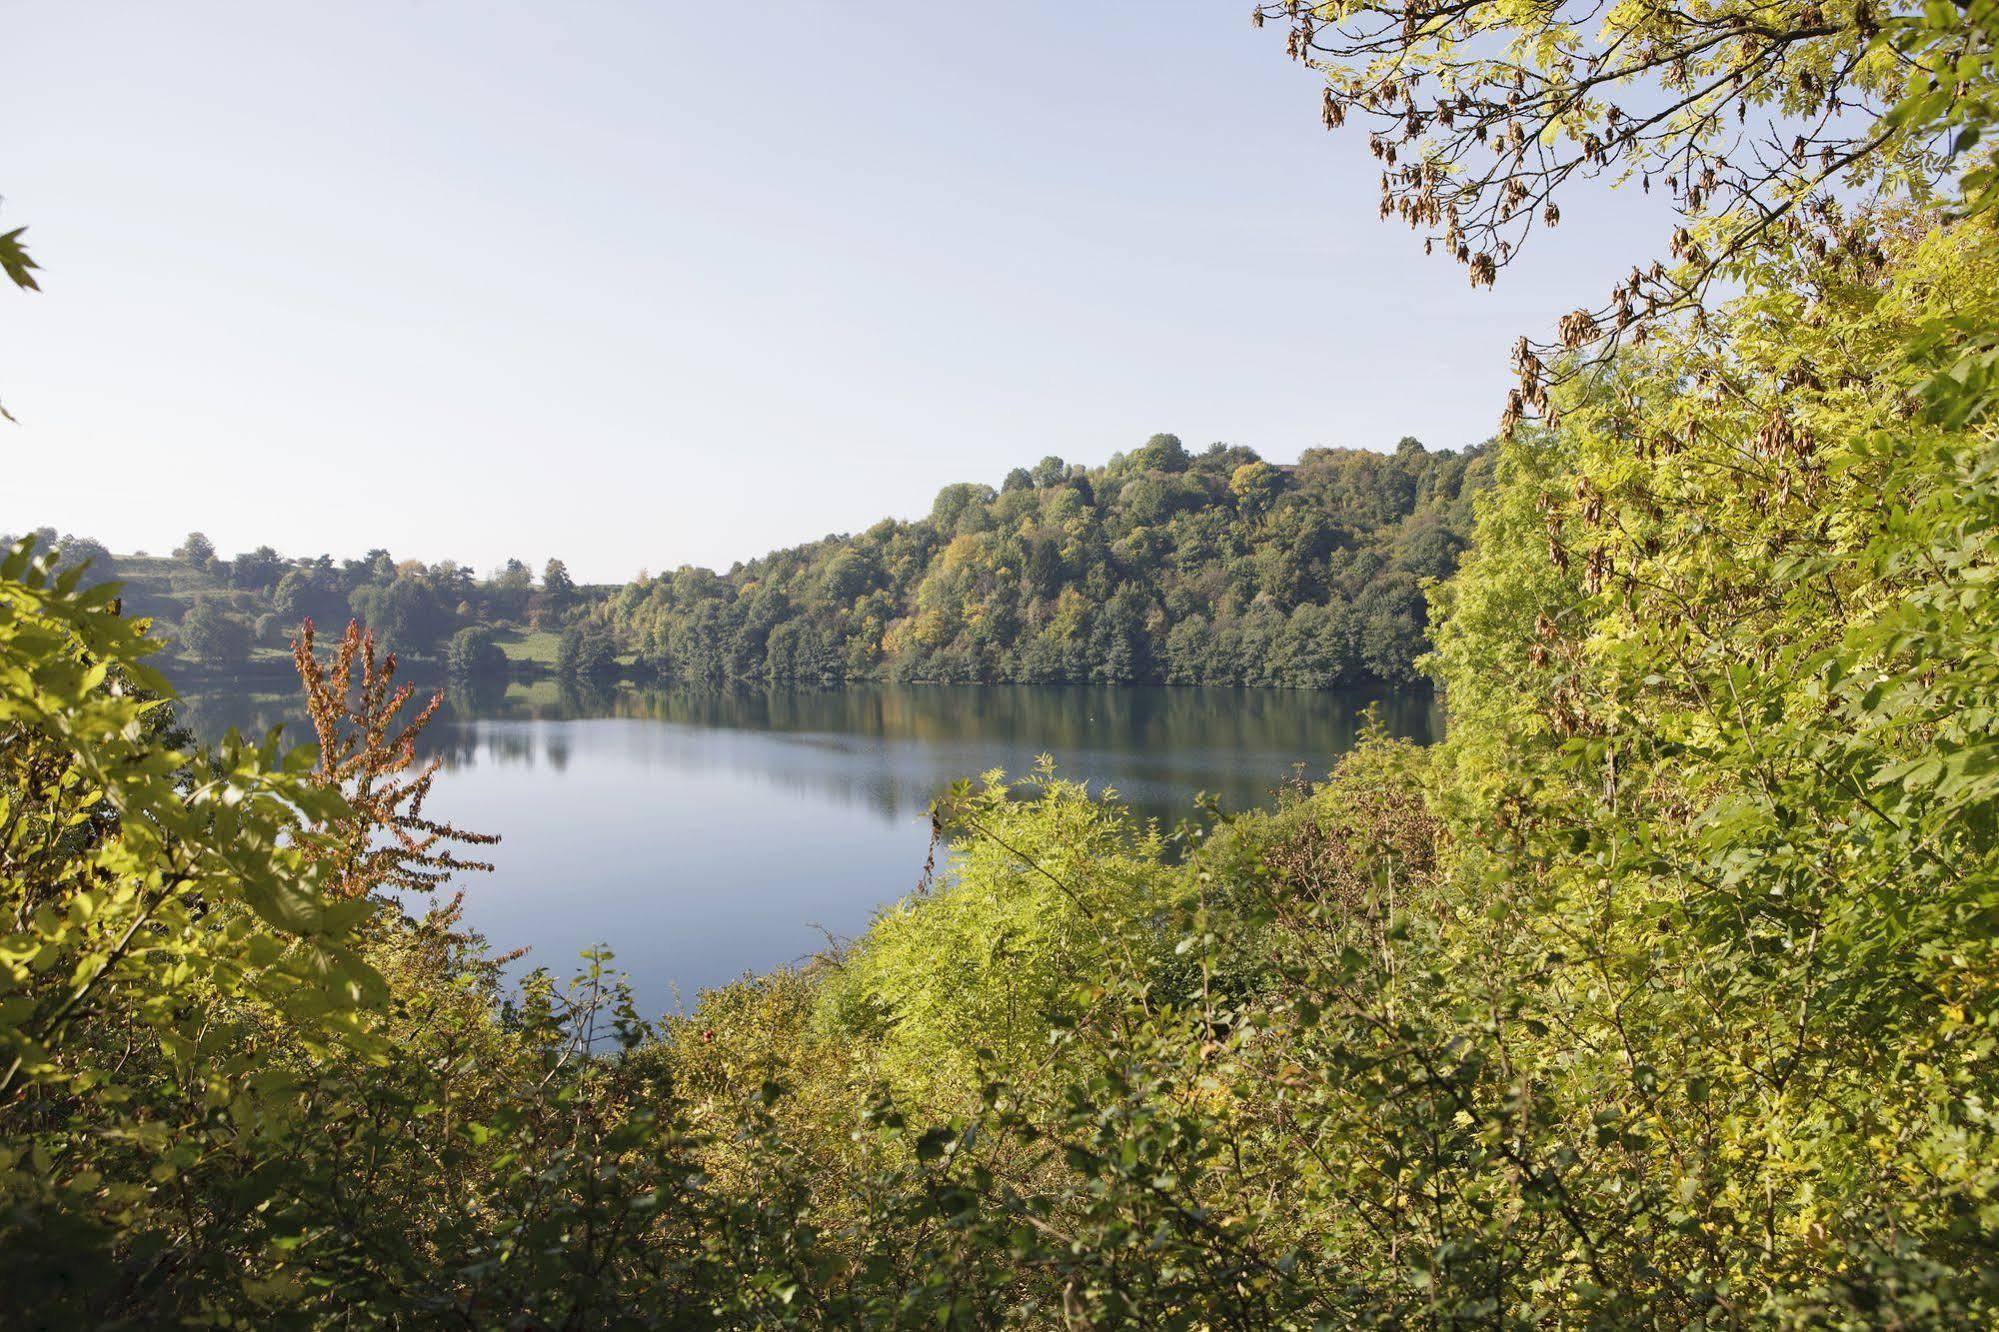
701, 836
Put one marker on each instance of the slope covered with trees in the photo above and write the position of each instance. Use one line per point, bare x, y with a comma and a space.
1163, 565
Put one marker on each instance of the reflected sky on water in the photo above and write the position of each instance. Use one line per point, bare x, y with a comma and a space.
703, 835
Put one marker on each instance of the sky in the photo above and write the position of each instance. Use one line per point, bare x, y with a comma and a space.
647, 284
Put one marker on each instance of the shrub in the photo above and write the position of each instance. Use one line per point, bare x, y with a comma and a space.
473, 654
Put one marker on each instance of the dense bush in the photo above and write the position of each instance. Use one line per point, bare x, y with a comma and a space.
474, 655
214, 635
586, 653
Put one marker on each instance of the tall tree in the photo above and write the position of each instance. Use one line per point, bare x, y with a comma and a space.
212, 635
555, 581
196, 550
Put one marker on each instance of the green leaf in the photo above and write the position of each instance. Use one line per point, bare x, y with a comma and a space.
15, 261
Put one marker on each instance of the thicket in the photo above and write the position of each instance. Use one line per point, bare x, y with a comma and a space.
1664, 991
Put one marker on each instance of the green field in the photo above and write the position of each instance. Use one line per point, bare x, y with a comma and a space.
539, 647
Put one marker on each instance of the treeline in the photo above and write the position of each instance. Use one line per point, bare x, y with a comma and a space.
1163, 565
223, 613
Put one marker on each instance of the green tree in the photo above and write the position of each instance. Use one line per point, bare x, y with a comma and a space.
510, 588
473, 654
91, 556
196, 550
309, 594
1256, 486
210, 634
1162, 453
257, 570
405, 613
556, 584
588, 653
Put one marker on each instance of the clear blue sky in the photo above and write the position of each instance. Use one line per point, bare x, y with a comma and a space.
641, 284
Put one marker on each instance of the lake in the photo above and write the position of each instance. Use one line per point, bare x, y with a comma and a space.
704, 835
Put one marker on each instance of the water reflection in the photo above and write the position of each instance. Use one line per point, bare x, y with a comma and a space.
707, 834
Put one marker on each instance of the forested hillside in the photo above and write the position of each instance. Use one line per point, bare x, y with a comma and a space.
1209, 568
1163, 565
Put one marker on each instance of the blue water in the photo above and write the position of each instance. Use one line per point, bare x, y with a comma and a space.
702, 836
